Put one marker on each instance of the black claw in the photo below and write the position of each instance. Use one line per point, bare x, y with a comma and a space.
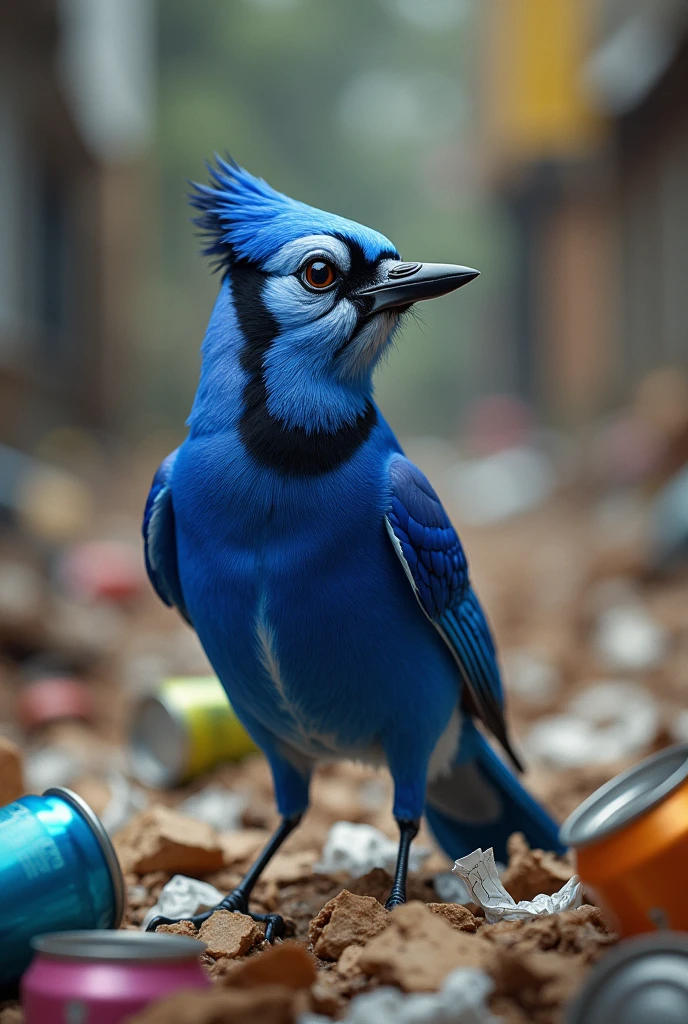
236, 903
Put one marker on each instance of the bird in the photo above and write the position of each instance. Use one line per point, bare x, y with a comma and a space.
316, 563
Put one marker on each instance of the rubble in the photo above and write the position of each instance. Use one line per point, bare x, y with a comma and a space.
287, 964
273, 1004
160, 839
227, 934
419, 949
530, 872
344, 921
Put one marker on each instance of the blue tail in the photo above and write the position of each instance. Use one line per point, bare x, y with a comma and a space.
480, 803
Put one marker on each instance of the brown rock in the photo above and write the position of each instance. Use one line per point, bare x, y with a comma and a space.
179, 928
228, 934
242, 845
286, 868
11, 1013
11, 772
287, 964
419, 949
348, 965
272, 1004
459, 917
327, 994
160, 839
531, 872
344, 921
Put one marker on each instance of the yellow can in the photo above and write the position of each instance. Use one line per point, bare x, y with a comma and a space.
186, 727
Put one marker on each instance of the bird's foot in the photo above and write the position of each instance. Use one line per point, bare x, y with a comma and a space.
237, 903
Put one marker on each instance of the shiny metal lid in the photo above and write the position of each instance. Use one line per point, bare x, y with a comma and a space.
106, 846
626, 797
159, 743
117, 946
642, 981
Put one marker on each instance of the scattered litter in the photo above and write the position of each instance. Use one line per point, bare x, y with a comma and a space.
450, 888
607, 722
125, 801
531, 676
182, 897
502, 485
461, 1000
216, 806
480, 875
629, 639
357, 849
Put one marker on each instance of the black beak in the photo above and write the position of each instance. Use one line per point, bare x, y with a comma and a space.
405, 283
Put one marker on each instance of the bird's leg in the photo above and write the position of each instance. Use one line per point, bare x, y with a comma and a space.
408, 830
237, 900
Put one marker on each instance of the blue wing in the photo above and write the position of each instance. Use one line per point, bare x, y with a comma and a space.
160, 541
434, 561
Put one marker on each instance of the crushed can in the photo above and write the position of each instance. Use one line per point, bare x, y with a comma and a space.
58, 870
104, 976
643, 980
631, 843
184, 728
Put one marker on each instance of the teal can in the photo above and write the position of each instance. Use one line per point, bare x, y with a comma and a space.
58, 871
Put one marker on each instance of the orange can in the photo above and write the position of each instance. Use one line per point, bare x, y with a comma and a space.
631, 843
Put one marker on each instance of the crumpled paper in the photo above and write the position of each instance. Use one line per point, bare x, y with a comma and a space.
461, 1000
479, 872
182, 897
357, 849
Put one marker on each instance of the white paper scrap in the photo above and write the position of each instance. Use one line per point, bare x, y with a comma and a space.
461, 1000
357, 849
479, 872
182, 897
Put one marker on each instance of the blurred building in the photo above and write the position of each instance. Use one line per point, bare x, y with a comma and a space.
586, 144
75, 126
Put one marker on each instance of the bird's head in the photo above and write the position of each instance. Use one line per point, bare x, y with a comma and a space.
317, 297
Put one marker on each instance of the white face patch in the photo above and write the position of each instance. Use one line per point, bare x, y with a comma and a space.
365, 349
291, 256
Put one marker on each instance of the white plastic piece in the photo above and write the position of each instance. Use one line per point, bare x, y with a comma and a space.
222, 808
182, 897
125, 801
461, 1000
479, 872
530, 675
450, 888
357, 849
605, 723
629, 639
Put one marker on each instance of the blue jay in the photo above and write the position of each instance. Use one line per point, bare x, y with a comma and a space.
317, 565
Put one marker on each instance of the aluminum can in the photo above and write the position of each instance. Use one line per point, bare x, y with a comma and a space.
643, 981
102, 977
631, 843
58, 869
186, 727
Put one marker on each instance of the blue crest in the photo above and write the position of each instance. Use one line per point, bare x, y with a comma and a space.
242, 215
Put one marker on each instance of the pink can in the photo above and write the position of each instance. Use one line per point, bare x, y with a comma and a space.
100, 977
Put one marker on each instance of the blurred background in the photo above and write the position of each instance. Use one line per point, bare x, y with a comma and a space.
544, 142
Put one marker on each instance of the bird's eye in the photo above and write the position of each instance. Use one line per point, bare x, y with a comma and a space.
319, 274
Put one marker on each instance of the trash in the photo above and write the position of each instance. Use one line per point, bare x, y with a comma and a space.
643, 979
450, 888
186, 727
462, 999
160, 839
51, 699
344, 921
531, 676
480, 875
11, 772
607, 722
629, 639
216, 806
108, 570
501, 485
356, 849
53, 845
183, 897
125, 801
106, 975
641, 890
230, 935
418, 949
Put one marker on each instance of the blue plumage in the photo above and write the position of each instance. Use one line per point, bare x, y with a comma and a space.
285, 524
